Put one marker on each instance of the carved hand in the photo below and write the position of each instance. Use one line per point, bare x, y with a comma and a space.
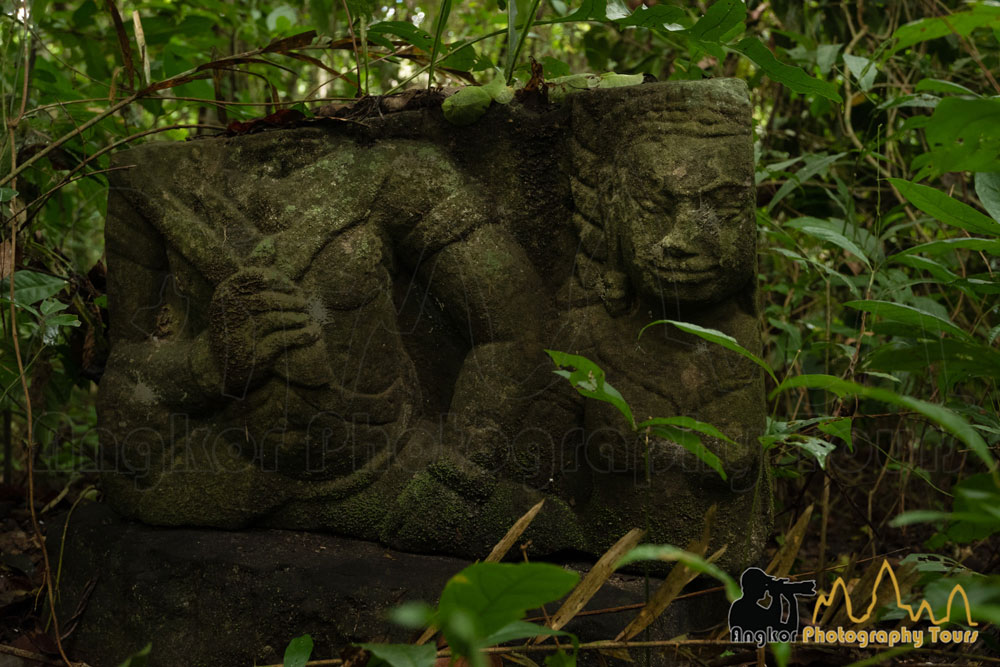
256, 316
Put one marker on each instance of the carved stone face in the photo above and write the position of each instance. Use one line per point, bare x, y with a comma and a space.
682, 209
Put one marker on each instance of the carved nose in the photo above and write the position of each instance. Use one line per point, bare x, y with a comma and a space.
672, 247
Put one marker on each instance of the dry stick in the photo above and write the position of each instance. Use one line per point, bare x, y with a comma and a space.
37, 657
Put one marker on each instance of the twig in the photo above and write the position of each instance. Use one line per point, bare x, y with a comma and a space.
37, 657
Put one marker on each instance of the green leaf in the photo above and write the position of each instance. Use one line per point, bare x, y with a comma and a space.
964, 135
686, 422
30, 287
466, 106
862, 69
988, 191
948, 245
717, 337
825, 231
6, 194
412, 615
897, 312
560, 659
402, 655
658, 17
794, 78
942, 86
962, 23
588, 379
298, 651
406, 31
669, 552
494, 595
818, 448
693, 444
720, 18
499, 91
140, 658
939, 205
523, 630
815, 164
840, 428
282, 12
940, 415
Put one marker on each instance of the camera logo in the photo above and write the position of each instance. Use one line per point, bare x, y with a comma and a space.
768, 610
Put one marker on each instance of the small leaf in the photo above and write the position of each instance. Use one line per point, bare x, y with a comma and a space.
693, 444
588, 379
402, 655
466, 106
499, 90
140, 658
794, 78
298, 651
413, 615
840, 428
6, 194
560, 659
818, 448
862, 69
717, 337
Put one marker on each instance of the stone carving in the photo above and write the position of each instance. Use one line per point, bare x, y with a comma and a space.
341, 327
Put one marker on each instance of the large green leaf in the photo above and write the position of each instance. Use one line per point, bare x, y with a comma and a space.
794, 78
950, 211
719, 20
493, 595
964, 135
717, 337
940, 415
898, 312
30, 287
588, 379
962, 23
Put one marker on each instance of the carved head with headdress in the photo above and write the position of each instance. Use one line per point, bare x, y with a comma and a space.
664, 192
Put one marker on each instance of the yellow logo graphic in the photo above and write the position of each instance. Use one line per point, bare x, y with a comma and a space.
825, 600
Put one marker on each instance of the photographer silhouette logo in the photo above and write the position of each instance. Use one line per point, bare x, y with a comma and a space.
768, 610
